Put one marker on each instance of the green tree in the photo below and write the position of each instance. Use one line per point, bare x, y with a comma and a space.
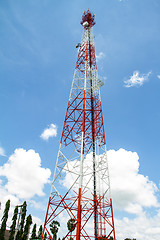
129, 239
4, 220
13, 226
27, 227
21, 226
71, 225
40, 232
54, 227
33, 235
45, 236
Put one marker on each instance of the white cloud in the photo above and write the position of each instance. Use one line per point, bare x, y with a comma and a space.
24, 178
132, 193
131, 190
37, 204
51, 131
24, 174
158, 76
141, 227
21, 178
37, 220
2, 152
136, 79
4, 196
100, 56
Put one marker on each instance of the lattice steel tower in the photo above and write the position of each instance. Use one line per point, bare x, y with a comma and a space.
81, 188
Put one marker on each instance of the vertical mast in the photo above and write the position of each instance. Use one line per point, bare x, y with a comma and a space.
82, 153
82, 158
93, 142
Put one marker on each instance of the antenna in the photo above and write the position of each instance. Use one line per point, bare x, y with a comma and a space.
81, 187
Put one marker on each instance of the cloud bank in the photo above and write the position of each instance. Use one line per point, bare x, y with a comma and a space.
143, 227
134, 195
22, 178
131, 190
24, 174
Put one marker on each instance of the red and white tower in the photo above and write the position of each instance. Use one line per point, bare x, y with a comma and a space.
81, 187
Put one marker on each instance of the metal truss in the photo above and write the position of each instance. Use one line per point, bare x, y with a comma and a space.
81, 188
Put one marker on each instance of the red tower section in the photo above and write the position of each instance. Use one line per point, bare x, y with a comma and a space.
81, 188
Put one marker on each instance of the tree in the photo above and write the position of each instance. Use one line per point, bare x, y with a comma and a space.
23, 215
40, 232
54, 229
71, 224
13, 226
129, 239
4, 220
33, 235
27, 227
45, 236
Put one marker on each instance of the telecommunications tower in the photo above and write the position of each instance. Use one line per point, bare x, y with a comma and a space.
80, 190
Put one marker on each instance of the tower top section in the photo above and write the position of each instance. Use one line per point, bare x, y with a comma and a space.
88, 19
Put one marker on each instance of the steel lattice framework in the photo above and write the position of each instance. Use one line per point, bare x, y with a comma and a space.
81, 187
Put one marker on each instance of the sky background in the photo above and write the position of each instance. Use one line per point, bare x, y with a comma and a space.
37, 60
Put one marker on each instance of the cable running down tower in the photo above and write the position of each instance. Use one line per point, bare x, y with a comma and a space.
81, 187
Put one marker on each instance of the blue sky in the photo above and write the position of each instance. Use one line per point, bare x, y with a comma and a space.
37, 61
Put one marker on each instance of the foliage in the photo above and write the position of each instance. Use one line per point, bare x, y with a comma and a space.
130, 239
111, 238
54, 229
33, 235
40, 232
13, 226
71, 224
23, 215
104, 238
45, 236
4, 220
27, 227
